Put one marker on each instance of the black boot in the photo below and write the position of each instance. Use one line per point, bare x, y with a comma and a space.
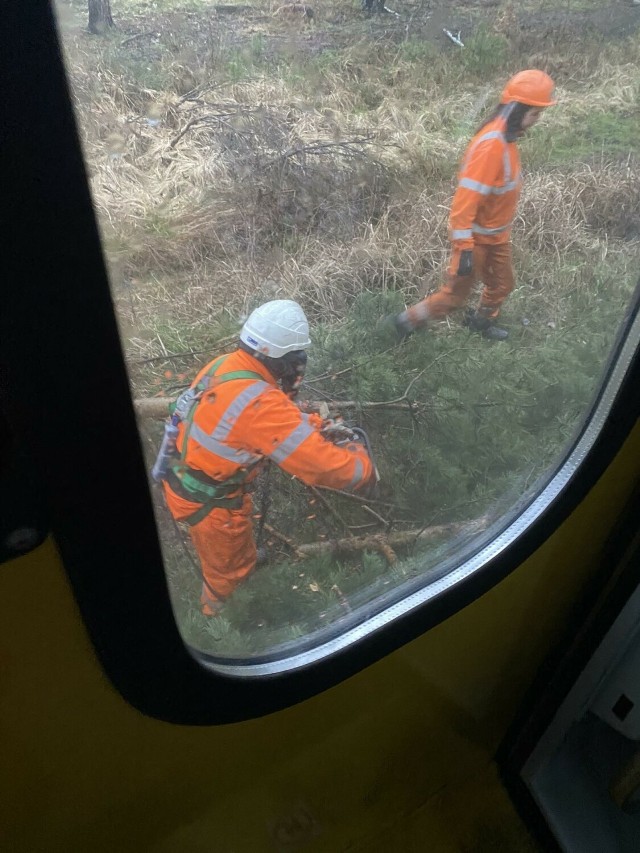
495, 333
477, 323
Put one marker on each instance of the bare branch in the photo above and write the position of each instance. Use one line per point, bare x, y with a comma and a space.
344, 148
400, 539
223, 343
357, 498
325, 503
376, 515
138, 36
212, 118
287, 541
155, 407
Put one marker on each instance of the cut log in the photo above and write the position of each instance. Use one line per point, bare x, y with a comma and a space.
401, 539
155, 408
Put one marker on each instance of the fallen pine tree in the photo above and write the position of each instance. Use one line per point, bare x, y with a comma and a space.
156, 408
384, 543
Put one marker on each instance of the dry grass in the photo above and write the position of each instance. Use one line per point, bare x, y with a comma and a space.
241, 190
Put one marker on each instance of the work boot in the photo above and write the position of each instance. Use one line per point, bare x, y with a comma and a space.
400, 328
477, 323
495, 333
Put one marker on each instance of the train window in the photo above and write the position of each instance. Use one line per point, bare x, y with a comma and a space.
374, 272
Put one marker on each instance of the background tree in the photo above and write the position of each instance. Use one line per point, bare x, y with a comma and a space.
100, 18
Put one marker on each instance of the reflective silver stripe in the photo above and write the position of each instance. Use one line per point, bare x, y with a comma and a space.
505, 189
470, 184
237, 407
492, 134
486, 189
461, 234
292, 442
506, 164
358, 474
478, 229
240, 457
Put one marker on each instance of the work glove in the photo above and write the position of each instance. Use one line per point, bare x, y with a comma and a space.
366, 488
465, 267
337, 432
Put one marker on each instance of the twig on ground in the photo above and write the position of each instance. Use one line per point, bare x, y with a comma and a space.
376, 515
357, 498
138, 36
215, 346
198, 92
346, 148
325, 503
184, 130
215, 118
400, 539
287, 541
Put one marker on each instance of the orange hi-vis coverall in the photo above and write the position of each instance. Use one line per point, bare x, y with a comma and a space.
235, 426
483, 208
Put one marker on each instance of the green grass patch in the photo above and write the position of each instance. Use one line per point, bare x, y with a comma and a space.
490, 420
597, 135
485, 52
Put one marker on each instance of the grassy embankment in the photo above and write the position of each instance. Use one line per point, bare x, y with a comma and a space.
235, 159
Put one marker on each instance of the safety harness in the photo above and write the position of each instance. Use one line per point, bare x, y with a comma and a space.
194, 485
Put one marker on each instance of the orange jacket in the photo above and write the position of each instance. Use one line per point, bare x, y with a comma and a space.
242, 421
485, 200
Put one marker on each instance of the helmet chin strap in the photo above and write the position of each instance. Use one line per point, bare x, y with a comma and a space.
289, 369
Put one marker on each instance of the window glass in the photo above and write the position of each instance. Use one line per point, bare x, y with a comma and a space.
239, 155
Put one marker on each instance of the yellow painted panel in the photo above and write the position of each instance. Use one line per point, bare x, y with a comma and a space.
404, 745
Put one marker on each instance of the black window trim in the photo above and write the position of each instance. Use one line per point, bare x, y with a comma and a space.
72, 413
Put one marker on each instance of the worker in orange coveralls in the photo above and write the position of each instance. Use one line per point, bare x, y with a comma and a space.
483, 208
237, 413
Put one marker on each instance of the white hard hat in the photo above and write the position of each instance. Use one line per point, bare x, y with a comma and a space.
276, 328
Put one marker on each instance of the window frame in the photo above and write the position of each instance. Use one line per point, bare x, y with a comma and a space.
564, 686
72, 412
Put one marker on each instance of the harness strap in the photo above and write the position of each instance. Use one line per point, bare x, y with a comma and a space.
195, 485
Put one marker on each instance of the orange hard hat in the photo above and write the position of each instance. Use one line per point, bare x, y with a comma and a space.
532, 87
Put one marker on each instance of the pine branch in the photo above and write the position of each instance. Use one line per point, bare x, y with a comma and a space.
333, 374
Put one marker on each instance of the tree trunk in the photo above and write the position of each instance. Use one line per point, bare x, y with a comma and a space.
155, 408
100, 18
383, 542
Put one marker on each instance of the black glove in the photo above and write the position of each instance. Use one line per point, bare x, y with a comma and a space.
465, 267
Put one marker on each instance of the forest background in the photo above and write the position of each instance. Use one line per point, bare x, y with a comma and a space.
240, 153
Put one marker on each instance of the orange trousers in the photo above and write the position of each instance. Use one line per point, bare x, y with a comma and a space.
492, 266
225, 547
